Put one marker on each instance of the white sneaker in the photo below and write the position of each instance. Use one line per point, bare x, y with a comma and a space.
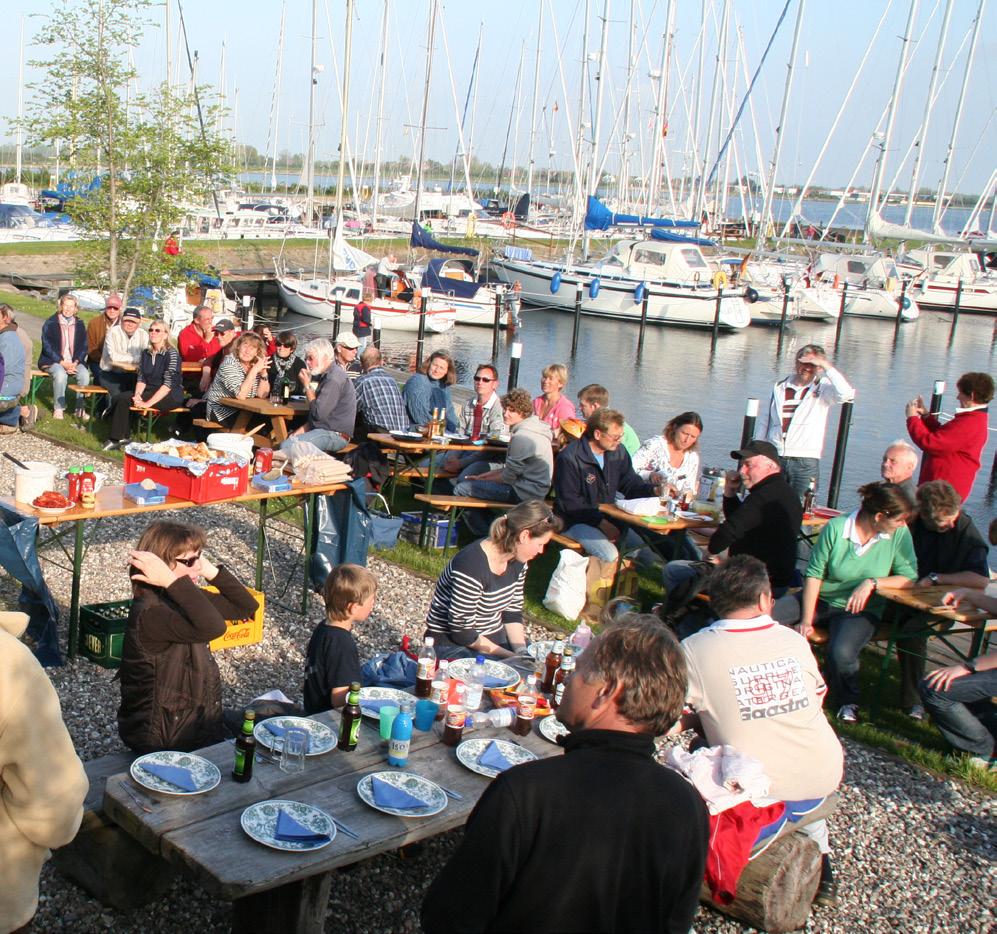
849, 713
916, 712
57, 414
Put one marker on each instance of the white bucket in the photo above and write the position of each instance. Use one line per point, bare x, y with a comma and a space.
232, 443
31, 483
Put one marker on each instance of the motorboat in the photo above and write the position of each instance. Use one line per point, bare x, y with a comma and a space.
937, 275
874, 290
455, 282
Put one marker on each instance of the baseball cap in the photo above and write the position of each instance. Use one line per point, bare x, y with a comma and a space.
756, 447
348, 339
113, 301
223, 326
132, 312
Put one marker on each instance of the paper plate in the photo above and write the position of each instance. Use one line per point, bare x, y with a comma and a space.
469, 751
259, 821
430, 792
205, 774
322, 738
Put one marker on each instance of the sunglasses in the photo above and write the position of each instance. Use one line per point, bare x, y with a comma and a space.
547, 521
157, 330
189, 562
483, 379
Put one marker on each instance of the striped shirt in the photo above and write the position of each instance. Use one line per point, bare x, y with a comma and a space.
471, 600
791, 402
226, 385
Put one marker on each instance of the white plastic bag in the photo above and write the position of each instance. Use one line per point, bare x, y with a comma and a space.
566, 592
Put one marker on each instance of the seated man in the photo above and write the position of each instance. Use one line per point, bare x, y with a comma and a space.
380, 406
529, 463
97, 330
898, 466
333, 409
479, 417
592, 397
950, 551
627, 836
64, 353
592, 470
755, 685
123, 346
198, 343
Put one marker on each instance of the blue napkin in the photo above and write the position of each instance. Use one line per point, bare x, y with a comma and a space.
373, 706
492, 758
388, 796
277, 730
173, 774
490, 682
291, 831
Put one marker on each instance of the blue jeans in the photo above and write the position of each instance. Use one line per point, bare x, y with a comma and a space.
953, 715
60, 380
849, 634
798, 472
595, 543
322, 438
479, 520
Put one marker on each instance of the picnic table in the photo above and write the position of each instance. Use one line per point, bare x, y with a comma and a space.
289, 891
278, 415
111, 502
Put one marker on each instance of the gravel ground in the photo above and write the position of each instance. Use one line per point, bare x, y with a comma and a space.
913, 853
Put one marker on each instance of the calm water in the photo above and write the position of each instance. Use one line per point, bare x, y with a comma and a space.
676, 372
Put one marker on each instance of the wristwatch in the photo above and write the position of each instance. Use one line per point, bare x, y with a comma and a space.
933, 577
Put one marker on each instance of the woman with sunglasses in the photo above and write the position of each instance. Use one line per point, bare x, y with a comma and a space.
159, 385
477, 606
171, 694
285, 367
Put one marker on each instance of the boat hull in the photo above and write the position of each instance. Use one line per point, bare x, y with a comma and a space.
975, 298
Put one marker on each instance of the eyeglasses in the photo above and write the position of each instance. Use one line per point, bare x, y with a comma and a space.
483, 379
612, 438
157, 330
548, 520
190, 562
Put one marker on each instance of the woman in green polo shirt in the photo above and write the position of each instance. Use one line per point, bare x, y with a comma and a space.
854, 556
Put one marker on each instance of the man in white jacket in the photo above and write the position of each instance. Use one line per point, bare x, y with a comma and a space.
42, 781
795, 420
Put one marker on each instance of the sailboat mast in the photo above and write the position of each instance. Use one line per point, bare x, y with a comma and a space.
660, 111
344, 122
169, 45
597, 122
898, 83
579, 193
533, 115
780, 130
943, 184
380, 111
623, 185
275, 104
714, 97
425, 107
310, 156
20, 99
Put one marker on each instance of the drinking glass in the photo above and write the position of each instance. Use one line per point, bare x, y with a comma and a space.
425, 714
292, 757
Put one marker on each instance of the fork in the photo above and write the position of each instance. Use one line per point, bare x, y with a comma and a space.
345, 829
457, 796
132, 794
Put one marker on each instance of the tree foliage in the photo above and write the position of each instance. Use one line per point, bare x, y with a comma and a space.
140, 156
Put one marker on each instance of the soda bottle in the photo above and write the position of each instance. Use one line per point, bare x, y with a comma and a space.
245, 749
502, 716
88, 488
426, 668
440, 691
582, 635
454, 729
551, 665
349, 727
73, 494
526, 708
401, 737
809, 498
475, 684
563, 673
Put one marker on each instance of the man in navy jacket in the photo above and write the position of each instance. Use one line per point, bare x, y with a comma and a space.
591, 471
64, 353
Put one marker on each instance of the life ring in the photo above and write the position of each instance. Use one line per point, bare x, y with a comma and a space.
639, 290
719, 279
555, 283
594, 287
750, 295
508, 220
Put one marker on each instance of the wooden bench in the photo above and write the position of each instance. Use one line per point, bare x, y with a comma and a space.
151, 416
106, 861
89, 395
37, 378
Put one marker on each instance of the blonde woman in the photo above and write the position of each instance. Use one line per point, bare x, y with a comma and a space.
552, 406
241, 375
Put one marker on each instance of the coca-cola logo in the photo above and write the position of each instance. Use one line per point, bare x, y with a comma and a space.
237, 633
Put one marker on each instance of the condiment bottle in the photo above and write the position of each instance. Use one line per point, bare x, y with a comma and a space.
401, 737
73, 494
245, 749
551, 665
349, 726
88, 488
454, 729
563, 673
426, 668
440, 690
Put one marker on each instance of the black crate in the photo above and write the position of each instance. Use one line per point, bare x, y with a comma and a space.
102, 631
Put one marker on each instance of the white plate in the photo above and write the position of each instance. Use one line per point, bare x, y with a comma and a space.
52, 510
551, 728
430, 792
322, 738
259, 821
375, 693
204, 773
406, 436
462, 668
691, 516
544, 646
469, 751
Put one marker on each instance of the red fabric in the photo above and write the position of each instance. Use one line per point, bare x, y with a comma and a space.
951, 451
732, 835
479, 414
193, 347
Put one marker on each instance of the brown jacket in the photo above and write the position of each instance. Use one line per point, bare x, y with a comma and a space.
96, 332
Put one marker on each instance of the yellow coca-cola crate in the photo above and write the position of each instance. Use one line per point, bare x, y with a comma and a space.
241, 631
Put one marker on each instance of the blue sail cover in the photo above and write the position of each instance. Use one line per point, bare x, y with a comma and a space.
424, 239
440, 283
599, 217
669, 237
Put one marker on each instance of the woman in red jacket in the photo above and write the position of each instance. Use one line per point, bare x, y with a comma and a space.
952, 450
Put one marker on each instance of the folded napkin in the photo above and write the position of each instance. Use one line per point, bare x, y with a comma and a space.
370, 705
277, 730
492, 758
173, 774
491, 682
291, 831
388, 796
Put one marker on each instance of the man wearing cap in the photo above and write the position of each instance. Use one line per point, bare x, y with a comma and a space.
347, 346
198, 344
123, 346
97, 330
332, 411
765, 524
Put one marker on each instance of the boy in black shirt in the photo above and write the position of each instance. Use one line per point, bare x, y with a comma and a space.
332, 661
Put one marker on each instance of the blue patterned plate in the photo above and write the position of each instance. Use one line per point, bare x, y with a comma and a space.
205, 774
260, 822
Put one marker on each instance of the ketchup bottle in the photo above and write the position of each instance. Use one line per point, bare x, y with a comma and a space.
73, 494
88, 488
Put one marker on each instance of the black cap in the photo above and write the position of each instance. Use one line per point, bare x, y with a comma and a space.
132, 312
223, 326
756, 447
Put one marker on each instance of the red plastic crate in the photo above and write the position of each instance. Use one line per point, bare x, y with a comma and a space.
219, 481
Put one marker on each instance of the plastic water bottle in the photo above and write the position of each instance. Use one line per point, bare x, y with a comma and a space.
401, 737
475, 684
582, 635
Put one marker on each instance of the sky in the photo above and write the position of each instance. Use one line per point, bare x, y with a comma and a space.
834, 38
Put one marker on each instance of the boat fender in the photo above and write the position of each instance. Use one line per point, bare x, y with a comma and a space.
555, 283
639, 290
906, 302
837, 282
750, 295
719, 280
594, 287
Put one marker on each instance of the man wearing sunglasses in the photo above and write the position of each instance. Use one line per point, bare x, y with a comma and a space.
480, 417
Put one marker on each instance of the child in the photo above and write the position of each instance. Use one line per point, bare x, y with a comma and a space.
332, 661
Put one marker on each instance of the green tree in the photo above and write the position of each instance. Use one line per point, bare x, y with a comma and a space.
140, 156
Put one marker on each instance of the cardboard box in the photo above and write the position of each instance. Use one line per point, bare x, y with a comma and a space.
219, 481
241, 631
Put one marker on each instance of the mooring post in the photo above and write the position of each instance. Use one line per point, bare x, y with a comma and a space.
955, 309
750, 417
496, 324
840, 447
515, 353
716, 318
785, 305
420, 340
643, 319
337, 315
578, 318
247, 311
376, 331
841, 314
900, 303
937, 391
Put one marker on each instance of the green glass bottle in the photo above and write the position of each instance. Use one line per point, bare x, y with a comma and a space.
349, 729
245, 749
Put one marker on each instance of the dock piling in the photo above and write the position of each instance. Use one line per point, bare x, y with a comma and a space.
937, 391
645, 298
785, 305
900, 305
515, 353
841, 314
578, 318
750, 417
840, 447
420, 341
955, 309
716, 318
337, 316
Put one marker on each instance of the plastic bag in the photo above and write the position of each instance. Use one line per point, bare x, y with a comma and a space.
342, 531
642, 506
566, 591
384, 526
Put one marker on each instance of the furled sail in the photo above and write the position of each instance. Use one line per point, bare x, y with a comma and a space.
599, 217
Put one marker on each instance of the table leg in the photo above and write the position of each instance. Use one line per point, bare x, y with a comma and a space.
261, 538
309, 505
74, 601
877, 698
241, 422
278, 431
298, 907
430, 480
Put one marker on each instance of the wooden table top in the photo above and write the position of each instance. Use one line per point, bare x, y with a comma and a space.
259, 407
654, 523
422, 446
929, 600
203, 835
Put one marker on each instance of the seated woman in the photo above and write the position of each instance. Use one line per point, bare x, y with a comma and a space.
551, 406
854, 556
285, 366
266, 335
477, 606
430, 389
671, 459
241, 375
171, 695
159, 384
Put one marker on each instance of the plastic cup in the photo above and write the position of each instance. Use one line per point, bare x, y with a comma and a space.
387, 717
425, 714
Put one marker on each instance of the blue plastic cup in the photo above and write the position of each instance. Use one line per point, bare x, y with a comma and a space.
387, 717
425, 714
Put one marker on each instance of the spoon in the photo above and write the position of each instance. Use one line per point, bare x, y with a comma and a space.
14, 461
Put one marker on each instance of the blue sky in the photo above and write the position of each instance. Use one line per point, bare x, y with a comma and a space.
834, 39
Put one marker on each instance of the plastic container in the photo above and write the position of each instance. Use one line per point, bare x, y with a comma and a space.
219, 481
232, 443
102, 632
31, 483
401, 737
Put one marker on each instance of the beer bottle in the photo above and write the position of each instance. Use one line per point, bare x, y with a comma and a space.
349, 726
563, 673
809, 498
245, 749
426, 668
552, 665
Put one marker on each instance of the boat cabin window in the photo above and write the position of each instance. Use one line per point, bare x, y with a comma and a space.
694, 259
857, 266
648, 257
353, 293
